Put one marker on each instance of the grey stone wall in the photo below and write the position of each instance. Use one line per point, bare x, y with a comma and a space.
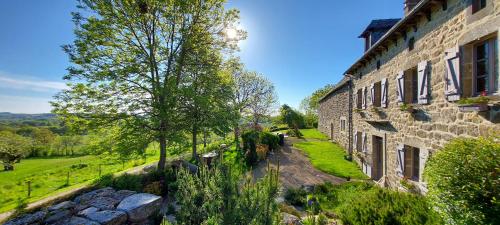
331, 110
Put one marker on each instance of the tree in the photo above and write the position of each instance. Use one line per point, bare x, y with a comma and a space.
292, 118
13, 147
129, 60
309, 105
254, 95
463, 180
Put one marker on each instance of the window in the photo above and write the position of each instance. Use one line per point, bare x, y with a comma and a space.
359, 100
478, 5
359, 141
411, 86
411, 44
377, 92
342, 124
412, 163
485, 67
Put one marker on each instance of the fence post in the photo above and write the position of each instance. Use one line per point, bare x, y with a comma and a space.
29, 188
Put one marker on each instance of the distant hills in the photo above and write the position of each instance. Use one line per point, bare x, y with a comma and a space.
19, 116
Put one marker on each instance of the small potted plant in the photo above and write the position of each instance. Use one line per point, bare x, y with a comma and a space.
407, 108
478, 104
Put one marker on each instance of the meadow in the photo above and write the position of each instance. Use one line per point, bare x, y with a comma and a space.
52, 175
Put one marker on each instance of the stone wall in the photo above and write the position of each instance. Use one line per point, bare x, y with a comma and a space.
436, 123
100, 207
331, 110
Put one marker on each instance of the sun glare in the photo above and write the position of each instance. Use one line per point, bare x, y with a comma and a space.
231, 33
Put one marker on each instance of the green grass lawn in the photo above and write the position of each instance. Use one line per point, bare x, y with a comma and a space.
328, 157
313, 134
48, 176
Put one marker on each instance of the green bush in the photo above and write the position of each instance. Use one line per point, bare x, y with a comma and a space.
380, 206
270, 140
463, 180
296, 196
294, 133
250, 141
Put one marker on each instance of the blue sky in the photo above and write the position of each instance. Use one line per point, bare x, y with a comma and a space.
299, 45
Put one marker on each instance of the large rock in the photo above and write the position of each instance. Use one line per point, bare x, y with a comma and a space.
140, 206
88, 211
122, 194
290, 219
62, 206
58, 216
81, 221
108, 217
34, 218
104, 203
103, 192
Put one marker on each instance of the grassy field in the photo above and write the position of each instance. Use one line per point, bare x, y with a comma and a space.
48, 176
328, 157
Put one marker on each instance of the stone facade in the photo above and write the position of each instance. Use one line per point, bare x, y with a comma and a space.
388, 134
334, 109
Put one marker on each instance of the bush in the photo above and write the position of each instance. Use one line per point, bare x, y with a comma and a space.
463, 180
250, 141
380, 206
296, 196
270, 140
294, 133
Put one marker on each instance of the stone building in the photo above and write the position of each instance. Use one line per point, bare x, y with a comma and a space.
409, 85
336, 111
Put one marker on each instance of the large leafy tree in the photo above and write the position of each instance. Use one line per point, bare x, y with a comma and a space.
254, 95
12, 148
129, 61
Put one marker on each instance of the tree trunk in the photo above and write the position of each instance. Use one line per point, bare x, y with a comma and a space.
195, 142
163, 152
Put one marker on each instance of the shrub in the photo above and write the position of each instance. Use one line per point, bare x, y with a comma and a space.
380, 206
250, 140
153, 188
463, 181
294, 133
270, 140
296, 197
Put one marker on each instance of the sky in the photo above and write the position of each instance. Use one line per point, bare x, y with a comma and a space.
300, 46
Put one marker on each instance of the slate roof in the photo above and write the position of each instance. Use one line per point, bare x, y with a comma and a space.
382, 24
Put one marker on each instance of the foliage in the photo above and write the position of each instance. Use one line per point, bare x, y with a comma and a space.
218, 197
292, 118
363, 203
463, 180
250, 142
12, 148
269, 139
329, 157
406, 107
130, 61
278, 127
262, 151
294, 133
315, 220
477, 100
296, 196
310, 104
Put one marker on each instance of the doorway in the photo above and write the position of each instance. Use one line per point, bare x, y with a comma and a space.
378, 145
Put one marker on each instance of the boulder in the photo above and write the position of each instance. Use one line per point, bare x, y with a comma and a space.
122, 194
57, 216
103, 192
140, 206
34, 218
108, 217
104, 203
87, 211
81, 221
290, 219
63, 205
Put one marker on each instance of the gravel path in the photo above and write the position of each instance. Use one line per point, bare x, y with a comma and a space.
295, 168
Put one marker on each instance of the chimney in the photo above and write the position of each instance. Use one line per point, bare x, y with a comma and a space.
409, 5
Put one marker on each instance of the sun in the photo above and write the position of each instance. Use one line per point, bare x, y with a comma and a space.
231, 33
